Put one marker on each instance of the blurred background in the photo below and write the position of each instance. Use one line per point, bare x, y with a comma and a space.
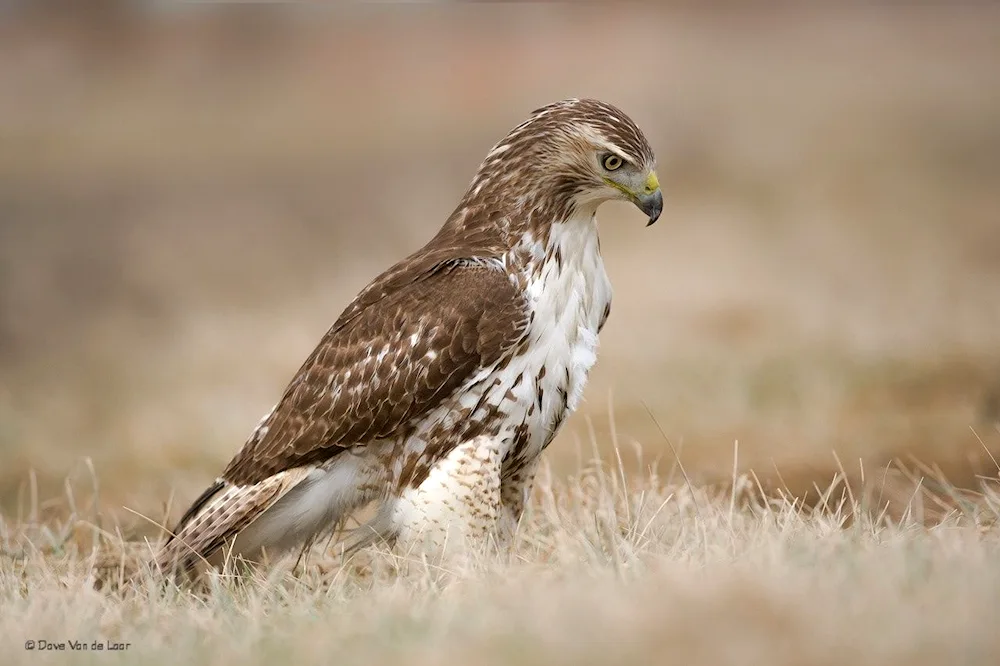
190, 194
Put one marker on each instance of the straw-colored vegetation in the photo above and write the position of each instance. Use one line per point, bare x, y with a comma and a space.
606, 569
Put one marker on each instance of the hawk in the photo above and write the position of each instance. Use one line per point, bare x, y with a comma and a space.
434, 393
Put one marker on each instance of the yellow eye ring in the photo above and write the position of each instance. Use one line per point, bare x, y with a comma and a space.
612, 162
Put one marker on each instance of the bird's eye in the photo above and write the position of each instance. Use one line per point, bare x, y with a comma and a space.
612, 162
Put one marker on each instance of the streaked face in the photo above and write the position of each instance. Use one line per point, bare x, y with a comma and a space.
609, 154
570, 154
625, 179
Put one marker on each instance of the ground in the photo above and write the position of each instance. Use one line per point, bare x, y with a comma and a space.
605, 570
185, 206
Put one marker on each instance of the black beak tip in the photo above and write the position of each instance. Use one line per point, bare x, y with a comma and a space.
651, 204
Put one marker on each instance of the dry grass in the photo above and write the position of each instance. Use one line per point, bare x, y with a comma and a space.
605, 570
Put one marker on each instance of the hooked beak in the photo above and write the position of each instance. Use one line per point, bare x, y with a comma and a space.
650, 203
650, 200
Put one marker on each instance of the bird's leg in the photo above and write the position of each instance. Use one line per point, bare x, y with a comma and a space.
457, 503
515, 489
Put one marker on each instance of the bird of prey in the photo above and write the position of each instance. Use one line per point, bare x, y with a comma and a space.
434, 393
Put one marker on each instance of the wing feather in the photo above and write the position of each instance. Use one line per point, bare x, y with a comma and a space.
384, 365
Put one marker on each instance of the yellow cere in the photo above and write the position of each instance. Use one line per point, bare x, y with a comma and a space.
652, 183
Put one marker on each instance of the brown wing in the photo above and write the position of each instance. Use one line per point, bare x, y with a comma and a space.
386, 363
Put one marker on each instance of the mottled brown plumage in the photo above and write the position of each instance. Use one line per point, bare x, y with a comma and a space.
470, 317
454, 367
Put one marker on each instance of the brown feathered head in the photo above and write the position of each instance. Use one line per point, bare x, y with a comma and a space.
567, 158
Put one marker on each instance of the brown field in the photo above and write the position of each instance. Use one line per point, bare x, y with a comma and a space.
187, 202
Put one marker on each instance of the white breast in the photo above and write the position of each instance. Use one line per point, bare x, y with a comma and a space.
569, 299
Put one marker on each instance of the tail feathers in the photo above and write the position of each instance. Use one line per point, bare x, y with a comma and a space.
221, 513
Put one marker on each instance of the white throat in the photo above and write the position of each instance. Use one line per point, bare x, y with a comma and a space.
569, 293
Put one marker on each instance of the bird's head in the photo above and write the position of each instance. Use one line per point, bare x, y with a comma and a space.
576, 154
